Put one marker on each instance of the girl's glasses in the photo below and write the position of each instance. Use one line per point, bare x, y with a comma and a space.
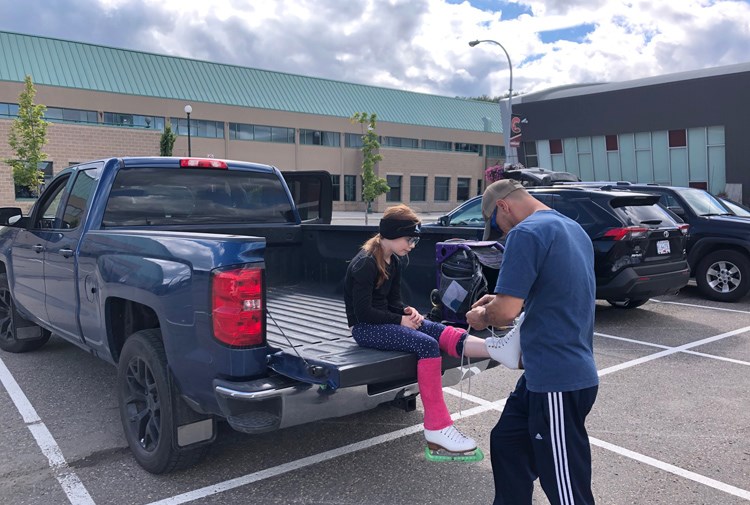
413, 241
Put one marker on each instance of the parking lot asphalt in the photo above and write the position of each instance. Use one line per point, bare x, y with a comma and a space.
670, 426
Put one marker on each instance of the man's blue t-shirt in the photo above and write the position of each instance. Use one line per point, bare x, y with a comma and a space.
549, 262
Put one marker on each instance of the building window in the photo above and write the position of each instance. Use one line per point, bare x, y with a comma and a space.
353, 140
677, 138
134, 120
463, 187
530, 157
555, 146
8, 110
611, 142
336, 187
319, 138
400, 142
198, 128
442, 189
463, 147
24, 192
350, 188
59, 115
496, 151
479, 187
261, 133
437, 145
394, 182
418, 189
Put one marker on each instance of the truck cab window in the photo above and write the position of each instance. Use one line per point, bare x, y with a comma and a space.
80, 194
49, 206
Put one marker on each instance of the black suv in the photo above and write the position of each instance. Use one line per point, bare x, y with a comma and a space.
639, 249
718, 242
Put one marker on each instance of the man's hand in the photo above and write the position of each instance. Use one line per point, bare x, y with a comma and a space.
477, 317
414, 315
483, 301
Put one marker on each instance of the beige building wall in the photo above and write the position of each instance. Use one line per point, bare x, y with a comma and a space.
69, 143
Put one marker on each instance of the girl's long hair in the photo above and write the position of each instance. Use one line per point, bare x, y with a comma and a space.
374, 246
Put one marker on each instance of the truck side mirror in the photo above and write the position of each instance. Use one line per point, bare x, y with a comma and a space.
10, 216
444, 220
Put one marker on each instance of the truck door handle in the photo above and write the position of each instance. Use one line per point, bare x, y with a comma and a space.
66, 252
37, 248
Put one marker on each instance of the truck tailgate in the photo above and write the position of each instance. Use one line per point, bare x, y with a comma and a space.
310, 328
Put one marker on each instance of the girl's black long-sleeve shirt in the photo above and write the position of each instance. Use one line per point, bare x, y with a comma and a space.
366, 303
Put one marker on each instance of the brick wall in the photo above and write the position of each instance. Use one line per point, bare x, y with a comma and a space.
72, 143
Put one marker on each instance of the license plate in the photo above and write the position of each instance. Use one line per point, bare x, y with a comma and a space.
662, 247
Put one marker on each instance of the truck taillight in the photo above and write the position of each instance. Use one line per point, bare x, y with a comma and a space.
237, 306
629, 233
684, 228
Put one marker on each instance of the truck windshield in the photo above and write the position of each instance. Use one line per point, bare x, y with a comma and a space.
703, 203
168, 196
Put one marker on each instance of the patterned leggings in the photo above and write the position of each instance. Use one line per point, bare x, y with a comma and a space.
393, 337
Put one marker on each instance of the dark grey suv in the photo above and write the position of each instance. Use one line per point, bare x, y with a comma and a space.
639, 248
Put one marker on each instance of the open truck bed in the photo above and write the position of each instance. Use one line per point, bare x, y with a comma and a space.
308, 325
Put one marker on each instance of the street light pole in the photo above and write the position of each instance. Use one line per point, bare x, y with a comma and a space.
511, 151
188, 110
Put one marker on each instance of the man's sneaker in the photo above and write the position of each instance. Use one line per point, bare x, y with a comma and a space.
506, 350
449, 439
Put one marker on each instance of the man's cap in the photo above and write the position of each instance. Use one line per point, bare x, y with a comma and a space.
494, 192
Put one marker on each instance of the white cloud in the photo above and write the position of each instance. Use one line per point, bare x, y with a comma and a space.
420, 45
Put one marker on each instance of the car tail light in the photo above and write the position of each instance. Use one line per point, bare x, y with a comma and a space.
237, 306
684, 228
202, 163
629, 233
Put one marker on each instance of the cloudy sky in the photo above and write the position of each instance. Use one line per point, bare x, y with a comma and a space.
419, 45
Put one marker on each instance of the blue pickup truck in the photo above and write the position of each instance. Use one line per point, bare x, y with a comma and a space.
214, 287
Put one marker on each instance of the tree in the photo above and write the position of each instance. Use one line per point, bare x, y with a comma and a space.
372, 185
27, 137
167, 141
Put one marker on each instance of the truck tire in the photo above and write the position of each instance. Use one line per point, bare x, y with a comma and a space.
724, 275
146, 404
11, 320
627, 303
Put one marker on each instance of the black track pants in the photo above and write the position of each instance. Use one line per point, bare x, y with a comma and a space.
542, 435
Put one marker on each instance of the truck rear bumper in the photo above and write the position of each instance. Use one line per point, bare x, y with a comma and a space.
278, 402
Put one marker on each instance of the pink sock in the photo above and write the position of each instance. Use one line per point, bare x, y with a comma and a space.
430, 380
449, 339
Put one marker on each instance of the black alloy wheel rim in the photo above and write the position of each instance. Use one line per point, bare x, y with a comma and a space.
142, 404
6, 316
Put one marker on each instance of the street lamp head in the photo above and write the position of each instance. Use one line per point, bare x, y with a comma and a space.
188, 109
473, 43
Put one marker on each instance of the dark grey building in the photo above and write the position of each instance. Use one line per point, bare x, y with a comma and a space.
685, 129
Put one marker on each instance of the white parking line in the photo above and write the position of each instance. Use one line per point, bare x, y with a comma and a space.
694, 353
71, 484
700, 306
676, 470
671, 350
311, 460
484, 406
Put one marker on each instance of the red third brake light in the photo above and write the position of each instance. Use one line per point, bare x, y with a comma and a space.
629, 233
202, 163
237, 306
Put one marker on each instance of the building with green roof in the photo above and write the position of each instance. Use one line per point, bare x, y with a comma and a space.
106, 101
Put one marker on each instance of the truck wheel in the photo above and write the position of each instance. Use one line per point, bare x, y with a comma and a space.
627, 303
11, 321
724, 275
146, 405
